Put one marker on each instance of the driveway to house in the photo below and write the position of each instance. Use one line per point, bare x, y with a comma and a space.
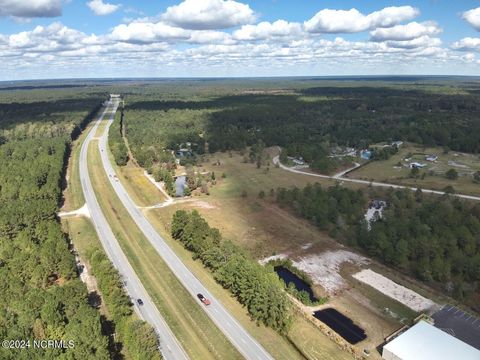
276, 161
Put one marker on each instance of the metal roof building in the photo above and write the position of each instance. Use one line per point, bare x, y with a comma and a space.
425, 342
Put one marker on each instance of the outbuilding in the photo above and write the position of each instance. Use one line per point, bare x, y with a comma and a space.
425, 342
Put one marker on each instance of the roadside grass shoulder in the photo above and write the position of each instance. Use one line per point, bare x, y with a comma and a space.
200, 338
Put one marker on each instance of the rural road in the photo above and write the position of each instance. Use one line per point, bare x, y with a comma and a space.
237, 335
276, 161
170, 348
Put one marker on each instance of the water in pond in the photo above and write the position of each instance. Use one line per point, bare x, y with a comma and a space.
180, 183
288, 277
341, 324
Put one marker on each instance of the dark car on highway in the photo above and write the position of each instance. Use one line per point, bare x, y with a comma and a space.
203, 299
139, 301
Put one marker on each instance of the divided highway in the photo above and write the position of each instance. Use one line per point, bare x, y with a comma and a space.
237, 335
170, 348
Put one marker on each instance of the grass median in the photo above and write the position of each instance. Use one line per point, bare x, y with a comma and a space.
198, 335
73, 194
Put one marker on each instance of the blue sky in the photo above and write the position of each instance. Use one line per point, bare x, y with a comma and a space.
98, 38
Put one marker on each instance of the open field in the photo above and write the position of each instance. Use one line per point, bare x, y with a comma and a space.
195, 331
396, 171
264, 229
245, 176
316, 344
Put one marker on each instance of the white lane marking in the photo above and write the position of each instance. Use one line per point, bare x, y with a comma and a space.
456, 311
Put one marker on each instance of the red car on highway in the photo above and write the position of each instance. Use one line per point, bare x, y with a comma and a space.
203, 299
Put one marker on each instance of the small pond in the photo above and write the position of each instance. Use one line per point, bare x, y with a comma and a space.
341, 324
180, 183
288, 277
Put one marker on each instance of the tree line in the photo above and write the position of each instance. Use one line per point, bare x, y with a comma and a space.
139, 339
258, 288
116, 143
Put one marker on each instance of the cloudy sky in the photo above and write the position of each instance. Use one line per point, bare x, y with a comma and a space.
154, 38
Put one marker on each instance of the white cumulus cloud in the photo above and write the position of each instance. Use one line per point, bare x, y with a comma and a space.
420, 42
352, 21
467, 44
409, 31
146, 32
101, 8
31, 8
265, 30
473, 17
209, 14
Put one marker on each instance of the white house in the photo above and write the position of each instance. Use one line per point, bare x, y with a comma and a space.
297, 160
425, 342
417, 165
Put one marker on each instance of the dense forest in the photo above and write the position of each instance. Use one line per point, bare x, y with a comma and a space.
42, 297
258, 288
332, 208
435, 239
305, 124
47, 119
